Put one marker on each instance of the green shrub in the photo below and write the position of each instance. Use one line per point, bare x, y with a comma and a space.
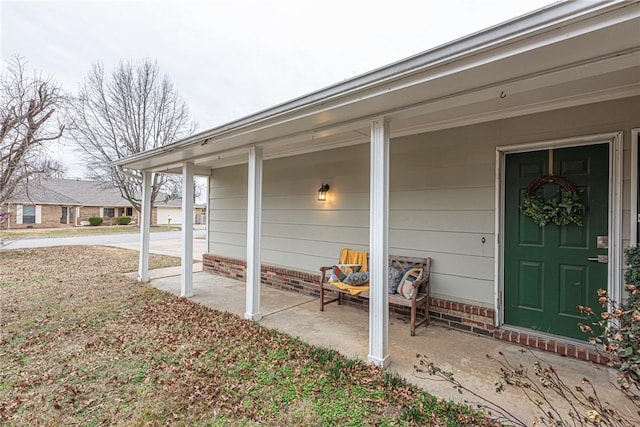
632, 258
95, 220
124, 220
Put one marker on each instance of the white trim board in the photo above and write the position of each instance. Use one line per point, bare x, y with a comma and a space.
615, 140
633, 220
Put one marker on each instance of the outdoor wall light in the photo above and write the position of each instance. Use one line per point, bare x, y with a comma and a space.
322, 192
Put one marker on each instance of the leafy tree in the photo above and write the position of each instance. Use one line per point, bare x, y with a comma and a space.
134, 109
29, 119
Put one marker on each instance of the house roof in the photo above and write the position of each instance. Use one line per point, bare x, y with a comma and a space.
90, 193
70, 192
566, 54
77, 192
39, 192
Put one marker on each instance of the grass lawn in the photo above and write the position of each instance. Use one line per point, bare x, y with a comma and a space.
80, 344
33, 233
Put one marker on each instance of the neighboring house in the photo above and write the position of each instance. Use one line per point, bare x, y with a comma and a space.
432, 156
169, 212
55, 202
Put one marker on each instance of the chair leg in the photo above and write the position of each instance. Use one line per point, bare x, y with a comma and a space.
321, 297
413, 318
423, 320
426, 312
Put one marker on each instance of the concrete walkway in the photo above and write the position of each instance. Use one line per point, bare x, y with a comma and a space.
160, 242
345, 329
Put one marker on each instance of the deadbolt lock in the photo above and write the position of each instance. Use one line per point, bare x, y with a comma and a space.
602, 242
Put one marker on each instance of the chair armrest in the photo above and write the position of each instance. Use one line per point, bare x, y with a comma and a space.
419, 284
323, 270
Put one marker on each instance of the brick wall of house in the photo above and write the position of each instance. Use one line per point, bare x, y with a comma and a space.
88, 211
10, 222
49, 218
464, 317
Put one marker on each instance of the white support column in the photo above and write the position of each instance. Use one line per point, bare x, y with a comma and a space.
145, 227
254, 232
379, 244
186, 288
208, 217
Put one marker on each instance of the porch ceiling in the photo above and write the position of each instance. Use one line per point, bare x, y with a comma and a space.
540, 62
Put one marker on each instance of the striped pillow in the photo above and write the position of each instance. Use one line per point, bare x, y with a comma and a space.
406, 283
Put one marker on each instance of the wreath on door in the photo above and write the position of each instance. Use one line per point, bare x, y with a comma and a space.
561, 208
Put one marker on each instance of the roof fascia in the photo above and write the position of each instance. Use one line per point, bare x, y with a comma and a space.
523, 27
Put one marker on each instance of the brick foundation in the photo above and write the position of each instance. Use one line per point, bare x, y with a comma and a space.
464, 317
547, 343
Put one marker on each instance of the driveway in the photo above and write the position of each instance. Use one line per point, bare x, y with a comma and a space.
162, 242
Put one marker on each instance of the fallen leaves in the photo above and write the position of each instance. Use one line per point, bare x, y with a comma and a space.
82, 344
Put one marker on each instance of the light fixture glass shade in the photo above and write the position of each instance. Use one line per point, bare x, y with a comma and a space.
322, 192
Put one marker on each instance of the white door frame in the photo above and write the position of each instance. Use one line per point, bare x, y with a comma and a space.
633, 220
615, 141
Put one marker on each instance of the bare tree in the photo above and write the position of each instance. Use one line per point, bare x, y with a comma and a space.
173, 188
57, 169
134, 109
29, 119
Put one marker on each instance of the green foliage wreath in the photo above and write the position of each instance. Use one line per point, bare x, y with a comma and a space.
562, 208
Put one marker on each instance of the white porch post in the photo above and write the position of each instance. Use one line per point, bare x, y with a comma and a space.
145, 223
379, 244
186, 288
254, 232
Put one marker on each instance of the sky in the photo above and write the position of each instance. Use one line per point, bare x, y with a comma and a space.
229, 59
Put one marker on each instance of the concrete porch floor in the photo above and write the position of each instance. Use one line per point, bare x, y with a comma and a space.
345, 329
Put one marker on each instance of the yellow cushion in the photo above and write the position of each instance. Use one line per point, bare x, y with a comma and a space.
352, 289
348, 256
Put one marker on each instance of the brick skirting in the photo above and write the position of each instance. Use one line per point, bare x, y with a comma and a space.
464, 317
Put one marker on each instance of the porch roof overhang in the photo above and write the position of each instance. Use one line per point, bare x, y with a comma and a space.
563, 55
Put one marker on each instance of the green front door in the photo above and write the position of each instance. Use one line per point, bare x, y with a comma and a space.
547, 271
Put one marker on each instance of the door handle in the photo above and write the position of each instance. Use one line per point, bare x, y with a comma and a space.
602, 259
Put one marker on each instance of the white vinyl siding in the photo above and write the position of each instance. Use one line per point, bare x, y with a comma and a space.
442, 198
294, 223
